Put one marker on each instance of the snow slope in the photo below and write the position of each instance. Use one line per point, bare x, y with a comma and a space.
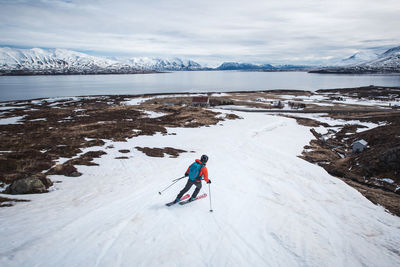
270, 208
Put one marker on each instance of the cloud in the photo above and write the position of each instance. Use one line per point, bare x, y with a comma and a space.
273, 31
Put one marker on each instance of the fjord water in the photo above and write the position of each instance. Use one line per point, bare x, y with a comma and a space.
30, 87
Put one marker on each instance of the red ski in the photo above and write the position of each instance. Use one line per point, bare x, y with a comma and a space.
173, 202
188, 201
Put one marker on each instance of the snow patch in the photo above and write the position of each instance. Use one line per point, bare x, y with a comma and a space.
12, 120
153, 114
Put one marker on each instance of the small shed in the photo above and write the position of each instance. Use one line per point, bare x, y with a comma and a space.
359, 145
201, 101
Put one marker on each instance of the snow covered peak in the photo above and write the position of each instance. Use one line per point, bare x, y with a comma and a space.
360, 57
163, 64
39, 61
367, 62
392, 51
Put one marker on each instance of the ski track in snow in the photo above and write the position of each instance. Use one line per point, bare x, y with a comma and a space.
270, 208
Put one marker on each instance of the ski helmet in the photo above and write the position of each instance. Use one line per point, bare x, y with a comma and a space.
204, 159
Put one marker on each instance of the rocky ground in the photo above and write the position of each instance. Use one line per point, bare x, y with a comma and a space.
44, 130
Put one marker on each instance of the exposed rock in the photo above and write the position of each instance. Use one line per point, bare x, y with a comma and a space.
26, 186
46, 181
65, 169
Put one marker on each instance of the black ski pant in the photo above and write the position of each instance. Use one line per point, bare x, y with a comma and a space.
188, 186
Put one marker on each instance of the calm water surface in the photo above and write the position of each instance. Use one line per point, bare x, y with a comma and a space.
29, 87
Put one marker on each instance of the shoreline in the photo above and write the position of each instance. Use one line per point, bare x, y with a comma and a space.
272, 91
307, 70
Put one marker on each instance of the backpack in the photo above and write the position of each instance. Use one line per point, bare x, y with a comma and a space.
194, 171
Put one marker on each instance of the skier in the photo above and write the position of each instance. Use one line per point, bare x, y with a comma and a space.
196, 172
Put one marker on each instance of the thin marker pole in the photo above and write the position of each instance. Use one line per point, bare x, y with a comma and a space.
209, 192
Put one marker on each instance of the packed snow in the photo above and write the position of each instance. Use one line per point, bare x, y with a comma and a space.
271, 208
12, 120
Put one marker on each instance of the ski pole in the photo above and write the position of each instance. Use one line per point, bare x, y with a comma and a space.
174, 182
209, 192
178, 178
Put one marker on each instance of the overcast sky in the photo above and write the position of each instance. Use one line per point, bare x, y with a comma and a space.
208, 31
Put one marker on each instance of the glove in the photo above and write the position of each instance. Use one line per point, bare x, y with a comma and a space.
186, 174
209, 181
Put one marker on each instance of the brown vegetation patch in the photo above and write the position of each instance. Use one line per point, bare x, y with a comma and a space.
367, 92
121, 158
86, 159
124, 151
7, 202
64, 169
232, 117
308, 122
159, 152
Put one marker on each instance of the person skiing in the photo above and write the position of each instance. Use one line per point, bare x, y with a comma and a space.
197, 171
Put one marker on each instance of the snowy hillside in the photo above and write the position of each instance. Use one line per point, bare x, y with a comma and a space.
367, 62
244, 66
271, 208
38, 61
359, 57
388, 60
146, 63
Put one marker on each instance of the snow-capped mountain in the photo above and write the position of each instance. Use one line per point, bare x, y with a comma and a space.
62, 61
387, 62
244, 66
158, 64
392, 51
359, 57
262, 67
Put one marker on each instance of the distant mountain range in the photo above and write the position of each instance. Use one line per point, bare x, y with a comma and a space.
15, 61
387, 62
254, 67
36, 61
